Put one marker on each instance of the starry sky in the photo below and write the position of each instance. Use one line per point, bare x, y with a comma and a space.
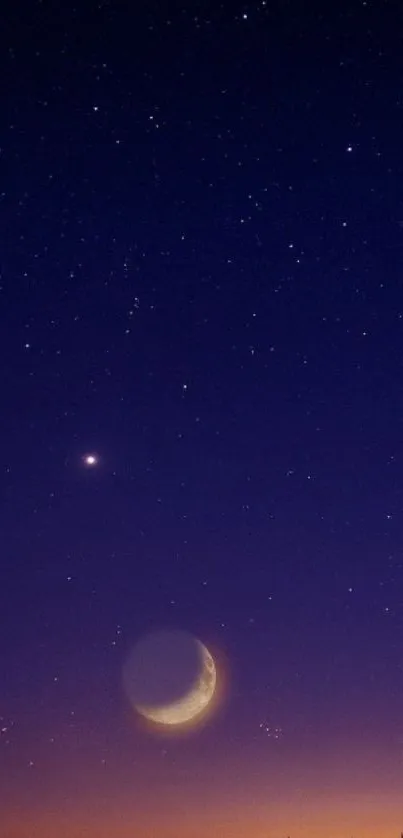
201, 262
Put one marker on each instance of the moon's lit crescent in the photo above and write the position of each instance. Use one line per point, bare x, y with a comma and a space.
191, 705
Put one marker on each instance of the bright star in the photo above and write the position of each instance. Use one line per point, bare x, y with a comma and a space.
91, 460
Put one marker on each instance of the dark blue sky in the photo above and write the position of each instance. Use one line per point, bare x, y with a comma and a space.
201, 257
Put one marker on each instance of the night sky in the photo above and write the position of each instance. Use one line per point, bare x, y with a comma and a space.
201, 288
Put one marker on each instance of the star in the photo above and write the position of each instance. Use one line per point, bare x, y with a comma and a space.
91, 460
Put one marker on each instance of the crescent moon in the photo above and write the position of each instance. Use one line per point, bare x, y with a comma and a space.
191, 705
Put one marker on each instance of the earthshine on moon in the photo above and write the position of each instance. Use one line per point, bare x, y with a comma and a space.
191, 705
171, 680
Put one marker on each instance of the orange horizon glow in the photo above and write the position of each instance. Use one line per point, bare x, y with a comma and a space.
344, 790
332, 818
328, 801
